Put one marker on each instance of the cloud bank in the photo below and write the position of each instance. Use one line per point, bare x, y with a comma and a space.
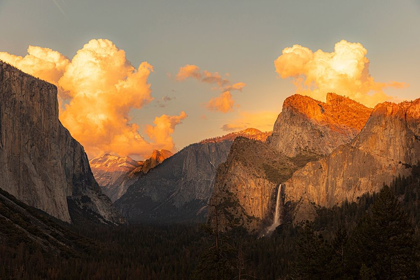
344, 71
97, 90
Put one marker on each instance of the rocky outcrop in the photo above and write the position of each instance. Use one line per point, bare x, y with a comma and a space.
115, 174
306, 124
157, 157
178, 190
245, 185
306, 130
388, 146
40, 163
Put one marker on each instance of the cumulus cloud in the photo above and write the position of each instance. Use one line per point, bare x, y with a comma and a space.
224, 102
344, 71
43, 63
100, 87
263, 121
162, 130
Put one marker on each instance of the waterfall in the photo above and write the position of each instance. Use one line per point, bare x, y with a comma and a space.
277, 213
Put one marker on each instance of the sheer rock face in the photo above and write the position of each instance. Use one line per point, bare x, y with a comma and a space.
309, 125
41, 164
245, 185
388, 146
178, 190
115, 174
305, 131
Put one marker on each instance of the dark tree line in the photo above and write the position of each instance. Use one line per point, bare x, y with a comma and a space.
382, 245
375, 238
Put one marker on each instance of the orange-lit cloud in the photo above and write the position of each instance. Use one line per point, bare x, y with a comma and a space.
193, 71
164, 127
238, 86
100, 87
188, 71
43, 63
344, 71
263, 121
214, 78
224, 102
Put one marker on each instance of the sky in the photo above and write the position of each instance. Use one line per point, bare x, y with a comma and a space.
134, 76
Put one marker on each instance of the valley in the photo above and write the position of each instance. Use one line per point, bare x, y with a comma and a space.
209, 140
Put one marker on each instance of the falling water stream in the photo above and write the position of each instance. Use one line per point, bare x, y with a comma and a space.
277, 213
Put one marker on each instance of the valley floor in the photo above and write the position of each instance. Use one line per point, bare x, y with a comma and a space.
375, 237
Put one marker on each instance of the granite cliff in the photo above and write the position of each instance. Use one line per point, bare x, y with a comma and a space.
388, 146
41, 164
311, 126
115, 174
245, 184
178, 190
306, 130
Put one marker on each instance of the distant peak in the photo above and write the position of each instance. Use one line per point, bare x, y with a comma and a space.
251, 133
107, 156
161, 155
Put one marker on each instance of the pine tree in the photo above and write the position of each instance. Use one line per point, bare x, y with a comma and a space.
338, 267
314, 255
385, 242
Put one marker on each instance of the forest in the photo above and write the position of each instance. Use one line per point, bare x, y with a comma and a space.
375, 238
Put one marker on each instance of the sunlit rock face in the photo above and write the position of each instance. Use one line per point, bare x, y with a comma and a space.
178, 190
245, 185
250, 133
388, 146
306, 124
40, 163
305, 131
115, 174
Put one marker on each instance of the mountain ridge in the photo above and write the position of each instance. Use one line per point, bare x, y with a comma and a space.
178, 190
305, 131
115, 174
387, 147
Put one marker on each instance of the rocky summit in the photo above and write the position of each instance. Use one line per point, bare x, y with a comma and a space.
388, 146
115, 174
41, 164
311, 126
178, 190
306, 130
250, 133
